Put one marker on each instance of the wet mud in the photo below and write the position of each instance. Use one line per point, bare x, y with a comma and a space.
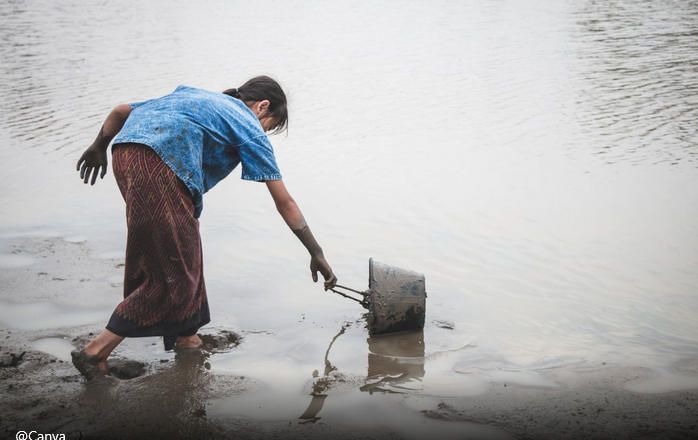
391, 395
171, 400
596, 408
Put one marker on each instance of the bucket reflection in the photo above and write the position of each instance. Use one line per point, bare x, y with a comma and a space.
395, 361
395, 365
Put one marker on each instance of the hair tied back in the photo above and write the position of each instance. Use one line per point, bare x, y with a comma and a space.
262, 88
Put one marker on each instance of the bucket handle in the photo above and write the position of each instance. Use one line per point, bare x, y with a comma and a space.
363, 302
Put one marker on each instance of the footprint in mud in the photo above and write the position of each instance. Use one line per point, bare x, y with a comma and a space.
126, 369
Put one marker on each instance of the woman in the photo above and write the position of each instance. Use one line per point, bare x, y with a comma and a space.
169, 151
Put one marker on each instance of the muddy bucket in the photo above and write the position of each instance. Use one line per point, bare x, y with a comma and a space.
396, 299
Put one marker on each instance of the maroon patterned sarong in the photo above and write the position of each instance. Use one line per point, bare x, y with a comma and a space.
164, 290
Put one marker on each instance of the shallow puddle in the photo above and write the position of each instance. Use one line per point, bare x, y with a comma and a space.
59, 348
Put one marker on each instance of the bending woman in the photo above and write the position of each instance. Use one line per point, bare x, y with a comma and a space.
170, 151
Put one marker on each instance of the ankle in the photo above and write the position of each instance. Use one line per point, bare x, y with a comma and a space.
92, 350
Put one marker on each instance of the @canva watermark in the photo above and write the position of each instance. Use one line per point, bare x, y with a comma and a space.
33, 435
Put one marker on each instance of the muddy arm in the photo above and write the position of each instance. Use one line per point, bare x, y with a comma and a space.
94, 158
291, 213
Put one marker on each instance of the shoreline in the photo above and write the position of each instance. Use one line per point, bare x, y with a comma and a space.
170, 398
170, 401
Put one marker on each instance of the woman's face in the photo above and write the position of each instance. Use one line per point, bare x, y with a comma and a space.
268, 123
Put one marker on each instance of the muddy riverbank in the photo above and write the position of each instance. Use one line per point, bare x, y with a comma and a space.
170, 401
183, 394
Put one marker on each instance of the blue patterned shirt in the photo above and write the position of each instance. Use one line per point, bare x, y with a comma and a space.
202, 136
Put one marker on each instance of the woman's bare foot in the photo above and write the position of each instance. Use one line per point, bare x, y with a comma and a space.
91, 361
89, 350
189, 342
88, 365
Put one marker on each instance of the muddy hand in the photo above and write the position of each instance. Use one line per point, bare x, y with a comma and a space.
91, 162
318, 263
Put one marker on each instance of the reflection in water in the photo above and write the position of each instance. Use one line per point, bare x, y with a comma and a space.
396, 368
320, 386
395, 360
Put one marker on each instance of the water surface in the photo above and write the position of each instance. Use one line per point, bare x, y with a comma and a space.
535, 160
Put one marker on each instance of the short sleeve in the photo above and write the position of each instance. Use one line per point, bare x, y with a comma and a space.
258, 160
135, 105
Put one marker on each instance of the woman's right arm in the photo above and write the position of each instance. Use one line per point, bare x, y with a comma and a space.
293, 217
94, 158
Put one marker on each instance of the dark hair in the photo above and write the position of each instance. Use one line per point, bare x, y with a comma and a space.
260, 88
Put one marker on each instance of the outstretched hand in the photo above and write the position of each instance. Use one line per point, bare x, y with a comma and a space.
92, 162
318, 263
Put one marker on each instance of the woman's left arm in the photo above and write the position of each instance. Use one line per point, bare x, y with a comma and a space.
95, 157
293, 217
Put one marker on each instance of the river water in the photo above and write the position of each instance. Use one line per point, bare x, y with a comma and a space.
536, 160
